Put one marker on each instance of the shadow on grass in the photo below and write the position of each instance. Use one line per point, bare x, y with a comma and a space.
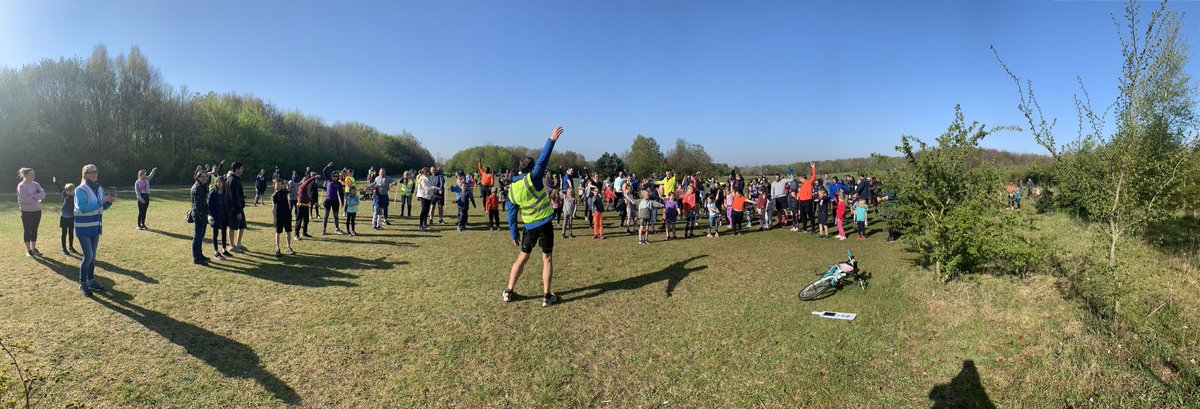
367, 241
672, 274
964, 391
70, 272
170, 234
302, 270
125, 272
231, 358
1175, 234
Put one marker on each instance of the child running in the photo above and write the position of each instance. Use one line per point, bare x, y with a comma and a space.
860, 217
283, 216
352, 202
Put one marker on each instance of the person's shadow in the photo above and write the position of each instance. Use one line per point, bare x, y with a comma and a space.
964, 391
231, 358
673, 274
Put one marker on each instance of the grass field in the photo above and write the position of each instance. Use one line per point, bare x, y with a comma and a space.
406, 319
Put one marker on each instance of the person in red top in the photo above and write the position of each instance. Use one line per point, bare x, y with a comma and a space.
486, 181
739, 212
841, 214
492, 204
689, 211
804, 195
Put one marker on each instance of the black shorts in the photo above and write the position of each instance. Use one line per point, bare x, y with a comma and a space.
781, 203
66, 222
283, 225
543, 235
439, 200
823, 217
235, 222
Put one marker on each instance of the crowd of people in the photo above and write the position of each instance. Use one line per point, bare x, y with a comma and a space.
545, 203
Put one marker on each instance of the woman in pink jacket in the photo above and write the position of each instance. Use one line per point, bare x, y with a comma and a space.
29, 198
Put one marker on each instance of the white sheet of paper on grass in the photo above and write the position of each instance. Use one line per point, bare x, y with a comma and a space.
846, 316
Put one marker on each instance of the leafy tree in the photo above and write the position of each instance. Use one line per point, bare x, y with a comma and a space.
688, 158
950, 204
645, 156
118, 113
609, 164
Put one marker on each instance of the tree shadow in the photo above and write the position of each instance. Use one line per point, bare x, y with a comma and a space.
231, 358
964, 391
673, 274
170, 234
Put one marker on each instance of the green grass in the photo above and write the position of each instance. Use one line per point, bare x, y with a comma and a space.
405, 319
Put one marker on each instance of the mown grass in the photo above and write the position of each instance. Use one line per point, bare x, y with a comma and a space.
404, 319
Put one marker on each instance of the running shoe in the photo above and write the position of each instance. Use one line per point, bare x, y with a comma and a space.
509, 295
549, 299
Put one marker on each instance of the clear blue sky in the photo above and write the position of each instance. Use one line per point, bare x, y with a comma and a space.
754, 82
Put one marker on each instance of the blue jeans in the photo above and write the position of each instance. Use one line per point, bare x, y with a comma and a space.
198, 241
87, 267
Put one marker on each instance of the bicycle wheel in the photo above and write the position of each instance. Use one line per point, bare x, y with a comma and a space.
815, 290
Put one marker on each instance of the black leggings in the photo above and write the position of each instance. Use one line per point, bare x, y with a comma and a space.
302, 220
424, 212
142, 206
31, 221
68, 236
737, 222
350, 221
218, 232
331, 204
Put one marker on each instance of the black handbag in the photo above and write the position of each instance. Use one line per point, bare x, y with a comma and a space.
191, 217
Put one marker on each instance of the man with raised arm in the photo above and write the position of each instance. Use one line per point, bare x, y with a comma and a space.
527, 197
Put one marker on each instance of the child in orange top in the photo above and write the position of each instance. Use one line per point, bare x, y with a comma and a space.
492, 204
739, 212
689, 211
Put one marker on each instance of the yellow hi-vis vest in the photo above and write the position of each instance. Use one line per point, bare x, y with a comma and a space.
535, 206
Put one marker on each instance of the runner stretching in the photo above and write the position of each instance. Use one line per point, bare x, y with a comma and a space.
527, 196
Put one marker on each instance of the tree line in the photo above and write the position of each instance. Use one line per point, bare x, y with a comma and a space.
120, 114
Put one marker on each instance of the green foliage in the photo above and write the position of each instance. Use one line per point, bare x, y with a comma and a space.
609, 164
57, 115
689, 158
499, 158
950, 206
645, 157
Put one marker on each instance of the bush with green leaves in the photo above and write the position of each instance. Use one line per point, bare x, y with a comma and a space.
952, 207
